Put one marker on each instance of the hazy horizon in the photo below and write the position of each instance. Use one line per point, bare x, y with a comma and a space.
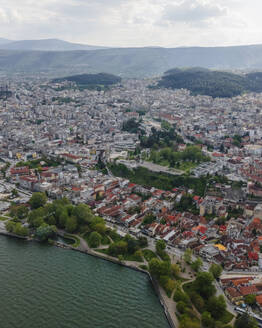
145, 46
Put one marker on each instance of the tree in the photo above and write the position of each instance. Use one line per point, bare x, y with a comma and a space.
132, 246
215, 270
181, 296
159, 268
197, 264
71, 224
142, 241
148, 219
36, 217
94, 239
63, 217
245, 321
216, 306
250, 299
20, 211
14, 192
204, 285
181, 307
198, 301
188, 255
10, 226
207, 321
45, 231
37, 200
175, 270
83, 214
118, 248
187, 322
21, 230
100, 228
160, 246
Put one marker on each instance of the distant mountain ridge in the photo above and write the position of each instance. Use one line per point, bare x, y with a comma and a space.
130, 62
46, 45
4, 41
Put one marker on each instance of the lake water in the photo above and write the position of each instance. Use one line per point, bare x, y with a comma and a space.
48, 287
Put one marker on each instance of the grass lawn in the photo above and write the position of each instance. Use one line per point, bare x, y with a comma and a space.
186, 166
76, 239
148, 254
132, 258
126, 257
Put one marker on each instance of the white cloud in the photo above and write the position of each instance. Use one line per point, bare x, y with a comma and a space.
134, 22
189, 11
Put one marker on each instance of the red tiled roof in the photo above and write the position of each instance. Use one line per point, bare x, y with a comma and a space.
253, 256
246, 290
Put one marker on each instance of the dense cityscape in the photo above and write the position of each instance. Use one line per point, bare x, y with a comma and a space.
176, 171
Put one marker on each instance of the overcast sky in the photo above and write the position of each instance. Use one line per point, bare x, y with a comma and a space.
168, 23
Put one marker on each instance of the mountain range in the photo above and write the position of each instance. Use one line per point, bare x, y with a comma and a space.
60, 58
45, 45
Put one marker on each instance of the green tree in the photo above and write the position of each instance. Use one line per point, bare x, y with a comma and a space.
94, 239
216, 306
21, 230
198, 301
118, 248
63, 216
37, 200
45, 231
250, 299
160, 246
245, 321
204, 284
207, 321
83, 214
179, 295
100, 228
14, 192
159, 268
20, 211
36, 217
181, 307
10, 226
187, 322
175, 270
142, 241
188, 256
71, 224
148, 219
197, 264
215, 270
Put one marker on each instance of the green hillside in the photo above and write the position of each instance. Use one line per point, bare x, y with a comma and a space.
211, 83
91, 81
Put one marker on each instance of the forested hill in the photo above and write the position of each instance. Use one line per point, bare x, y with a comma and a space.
201, 81
91, 80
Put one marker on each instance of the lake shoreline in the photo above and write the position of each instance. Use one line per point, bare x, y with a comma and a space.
167, 310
